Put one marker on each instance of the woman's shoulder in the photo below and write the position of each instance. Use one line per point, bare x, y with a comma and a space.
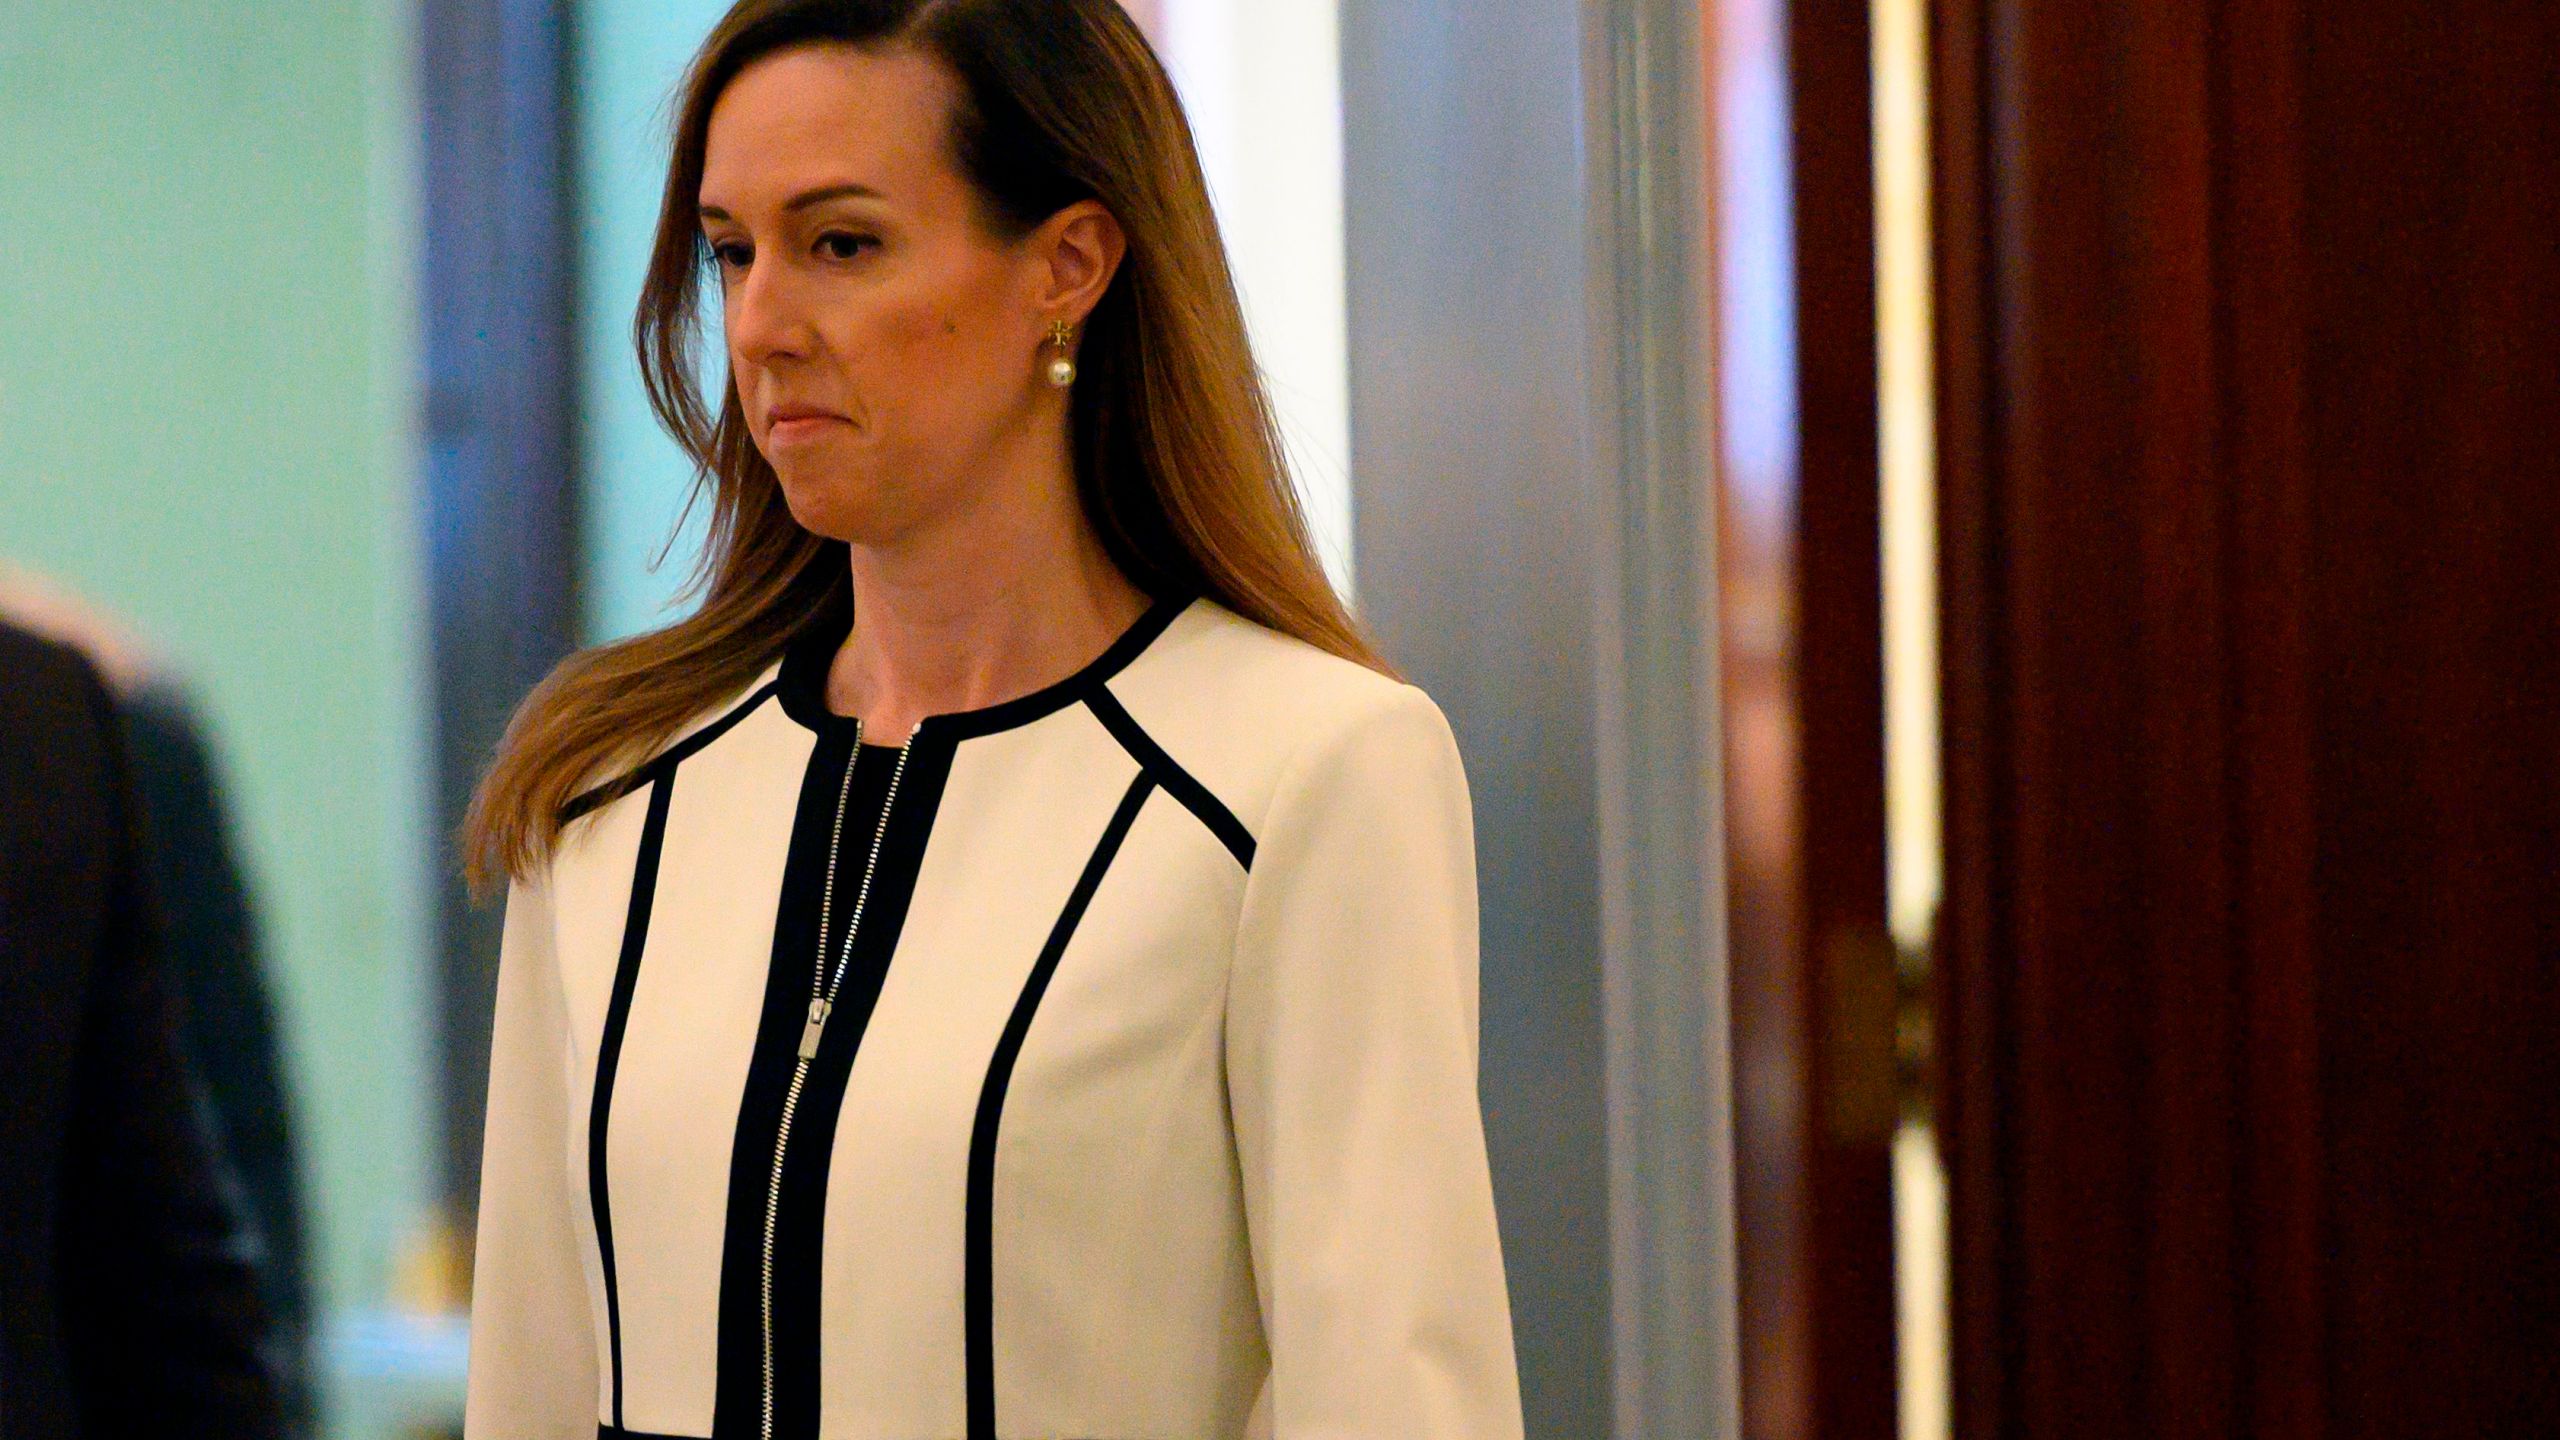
707, 724
1273, 686
1250, 710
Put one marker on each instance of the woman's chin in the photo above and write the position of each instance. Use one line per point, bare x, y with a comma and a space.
833, 505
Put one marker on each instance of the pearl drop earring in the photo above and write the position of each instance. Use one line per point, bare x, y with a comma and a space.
1062, 366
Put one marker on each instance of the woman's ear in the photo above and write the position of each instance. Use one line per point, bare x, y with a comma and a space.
1081, 248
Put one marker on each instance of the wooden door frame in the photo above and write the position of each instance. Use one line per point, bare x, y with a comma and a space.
1801, 577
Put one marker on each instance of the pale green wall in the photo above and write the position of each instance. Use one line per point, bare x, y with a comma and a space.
630, 55
205, 399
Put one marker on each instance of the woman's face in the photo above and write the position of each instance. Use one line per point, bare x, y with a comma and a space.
886, 345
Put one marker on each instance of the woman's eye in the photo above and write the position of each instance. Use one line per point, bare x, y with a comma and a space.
845, 245
729, 254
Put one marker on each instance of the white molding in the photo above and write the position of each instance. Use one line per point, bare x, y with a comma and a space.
1674, 1325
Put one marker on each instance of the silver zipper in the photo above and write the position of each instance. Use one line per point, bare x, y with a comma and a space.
822, 1003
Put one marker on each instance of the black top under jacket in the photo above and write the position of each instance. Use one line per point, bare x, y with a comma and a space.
128, 1301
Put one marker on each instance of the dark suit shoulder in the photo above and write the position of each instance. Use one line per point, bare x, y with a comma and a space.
148, 1319
60, 776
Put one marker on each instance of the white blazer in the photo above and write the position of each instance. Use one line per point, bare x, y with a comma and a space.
1142, 1104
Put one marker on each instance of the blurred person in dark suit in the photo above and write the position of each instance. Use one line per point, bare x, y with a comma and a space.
227, 1027
129, 1300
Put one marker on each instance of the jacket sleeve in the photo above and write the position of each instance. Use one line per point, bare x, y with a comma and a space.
533, 1347
227, 1026
1351, 1070
166, 1328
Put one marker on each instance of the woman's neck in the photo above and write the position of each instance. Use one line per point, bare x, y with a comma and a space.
977, 612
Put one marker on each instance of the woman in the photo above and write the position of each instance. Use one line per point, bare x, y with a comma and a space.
1006, 966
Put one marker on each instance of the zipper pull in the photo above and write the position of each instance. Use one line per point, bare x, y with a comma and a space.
818, 1011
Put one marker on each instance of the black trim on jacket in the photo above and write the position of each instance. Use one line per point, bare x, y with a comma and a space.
664, 763
978, 1292
803, 681
801, 1220
1177, 782
617, 1019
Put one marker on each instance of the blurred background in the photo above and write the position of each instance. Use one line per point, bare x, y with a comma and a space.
1990, 563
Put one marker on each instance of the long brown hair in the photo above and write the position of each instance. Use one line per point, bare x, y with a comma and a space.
1177, 460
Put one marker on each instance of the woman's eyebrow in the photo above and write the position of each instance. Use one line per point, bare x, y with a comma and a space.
805, 199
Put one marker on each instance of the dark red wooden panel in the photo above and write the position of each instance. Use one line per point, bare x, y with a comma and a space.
1804, 759
2250, 319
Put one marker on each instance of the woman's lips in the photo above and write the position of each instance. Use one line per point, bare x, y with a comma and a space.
798, 428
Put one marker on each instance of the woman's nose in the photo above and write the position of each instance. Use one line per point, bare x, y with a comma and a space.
767, 318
